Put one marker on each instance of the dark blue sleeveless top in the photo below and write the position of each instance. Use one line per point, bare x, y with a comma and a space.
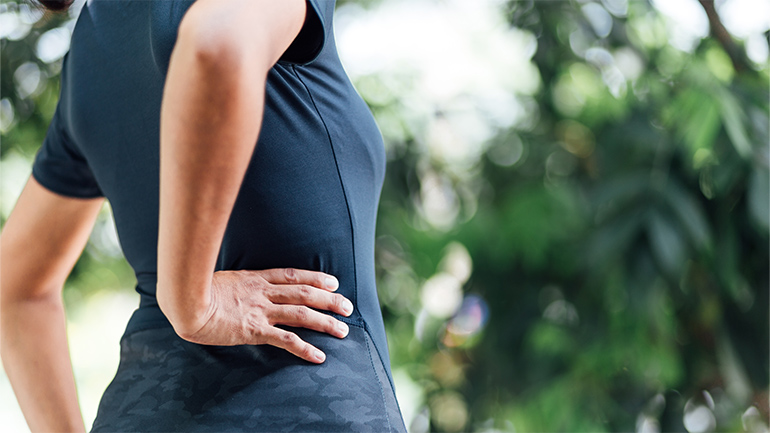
308, 200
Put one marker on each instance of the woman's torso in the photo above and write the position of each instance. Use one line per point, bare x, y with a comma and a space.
308, 200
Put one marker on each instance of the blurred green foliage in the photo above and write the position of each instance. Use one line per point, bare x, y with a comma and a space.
602, 267
624, 254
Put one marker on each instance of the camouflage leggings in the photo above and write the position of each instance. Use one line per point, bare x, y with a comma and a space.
164, 383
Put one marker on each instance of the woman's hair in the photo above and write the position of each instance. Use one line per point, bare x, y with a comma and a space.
56, 5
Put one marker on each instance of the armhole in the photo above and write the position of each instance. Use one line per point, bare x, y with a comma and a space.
310, 41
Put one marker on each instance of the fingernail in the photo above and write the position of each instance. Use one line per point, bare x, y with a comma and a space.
343, 328
320, 355
347, 306
332, 283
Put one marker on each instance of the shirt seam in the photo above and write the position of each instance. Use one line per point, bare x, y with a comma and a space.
342, 186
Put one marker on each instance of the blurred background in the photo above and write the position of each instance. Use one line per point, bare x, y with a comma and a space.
573, 233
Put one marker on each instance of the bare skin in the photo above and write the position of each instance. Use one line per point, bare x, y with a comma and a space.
213, 100
42, 239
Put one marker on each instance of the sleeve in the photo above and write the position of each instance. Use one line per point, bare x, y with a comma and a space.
59, 166
311, 38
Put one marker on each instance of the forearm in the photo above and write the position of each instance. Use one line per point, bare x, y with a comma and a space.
35, 355
210, 119
209, 126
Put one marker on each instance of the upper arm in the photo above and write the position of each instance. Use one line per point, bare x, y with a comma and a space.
42, 240
252, 31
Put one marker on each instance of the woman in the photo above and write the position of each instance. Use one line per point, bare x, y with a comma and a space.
269, 162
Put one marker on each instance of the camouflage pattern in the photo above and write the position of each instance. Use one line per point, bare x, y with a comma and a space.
164, 383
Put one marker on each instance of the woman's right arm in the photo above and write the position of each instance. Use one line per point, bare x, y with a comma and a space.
41, 242
210, 120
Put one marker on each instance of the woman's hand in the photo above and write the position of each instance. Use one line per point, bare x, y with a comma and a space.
246, 305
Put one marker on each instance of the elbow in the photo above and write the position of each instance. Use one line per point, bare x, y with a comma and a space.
187, 316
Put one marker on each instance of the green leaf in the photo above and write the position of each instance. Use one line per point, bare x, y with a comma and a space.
733, 118
695, 114
690, 214
702, 124
666, 243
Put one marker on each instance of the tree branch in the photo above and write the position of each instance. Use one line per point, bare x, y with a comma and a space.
720, 33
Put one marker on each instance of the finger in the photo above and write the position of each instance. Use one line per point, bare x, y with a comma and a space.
303, 317
301, 276
311, 297
290, 342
